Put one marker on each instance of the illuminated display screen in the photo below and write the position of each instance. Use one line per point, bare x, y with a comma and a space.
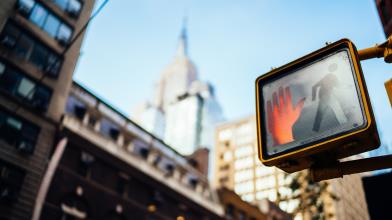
311, 104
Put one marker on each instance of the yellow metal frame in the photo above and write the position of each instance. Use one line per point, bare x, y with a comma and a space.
388, 87
363, 95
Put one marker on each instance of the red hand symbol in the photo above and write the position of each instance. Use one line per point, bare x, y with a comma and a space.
282, 117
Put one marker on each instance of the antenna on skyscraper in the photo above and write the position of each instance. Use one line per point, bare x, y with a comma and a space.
183, 41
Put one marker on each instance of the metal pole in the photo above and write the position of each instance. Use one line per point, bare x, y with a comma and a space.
339, 169
371, 52
378, 51
47, 179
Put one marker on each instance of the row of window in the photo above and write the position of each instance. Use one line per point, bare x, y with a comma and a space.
23, 88
11, 180
72, 7
125, 185
77, 108
243, 175
46, 20
28, 48
111, 130
18, 132
244, 163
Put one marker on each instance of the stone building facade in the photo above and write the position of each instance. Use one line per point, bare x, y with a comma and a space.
114, 169
35, 79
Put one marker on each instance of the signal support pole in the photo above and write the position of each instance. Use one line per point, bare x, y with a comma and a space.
378, 51
337, 169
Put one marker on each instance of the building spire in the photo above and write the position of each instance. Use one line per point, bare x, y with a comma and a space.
182, 49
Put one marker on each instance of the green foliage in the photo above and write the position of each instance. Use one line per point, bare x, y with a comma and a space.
310, 195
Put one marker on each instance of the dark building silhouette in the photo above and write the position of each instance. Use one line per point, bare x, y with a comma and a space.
237, 209
384, 8
35, 79
378, 194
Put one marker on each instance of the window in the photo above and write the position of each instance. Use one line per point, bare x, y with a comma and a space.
86, 160
241, 215
72, 7
225, 134
92, 120
245, 129
244, 175
109, 129
243, 163
166, 165
38, 15
64, 34
26, 90
122, 182
2, 68
18, 133
61, 3
264, 171
265, 182
11, 180
38, 56
229, 212
245, 139
75, 107
266, 194
223, 180
25, 87
52, 25
193, 181
245, 187
227, 156
244, 151
10, 35
141, 148
248, 197
224, 167
26, 47
46, 20
25, 6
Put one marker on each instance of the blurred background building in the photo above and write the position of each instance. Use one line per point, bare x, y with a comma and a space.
384, 8
184, 109
238, 209
114, 169
35, 78
238, 168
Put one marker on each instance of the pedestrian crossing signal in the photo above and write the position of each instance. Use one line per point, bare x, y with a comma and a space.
314, 108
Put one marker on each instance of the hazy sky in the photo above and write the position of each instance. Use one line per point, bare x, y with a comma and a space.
231, 43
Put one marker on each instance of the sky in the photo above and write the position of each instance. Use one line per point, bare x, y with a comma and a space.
231, 43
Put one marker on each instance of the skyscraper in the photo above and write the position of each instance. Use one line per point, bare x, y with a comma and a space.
184, 110
238, 168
